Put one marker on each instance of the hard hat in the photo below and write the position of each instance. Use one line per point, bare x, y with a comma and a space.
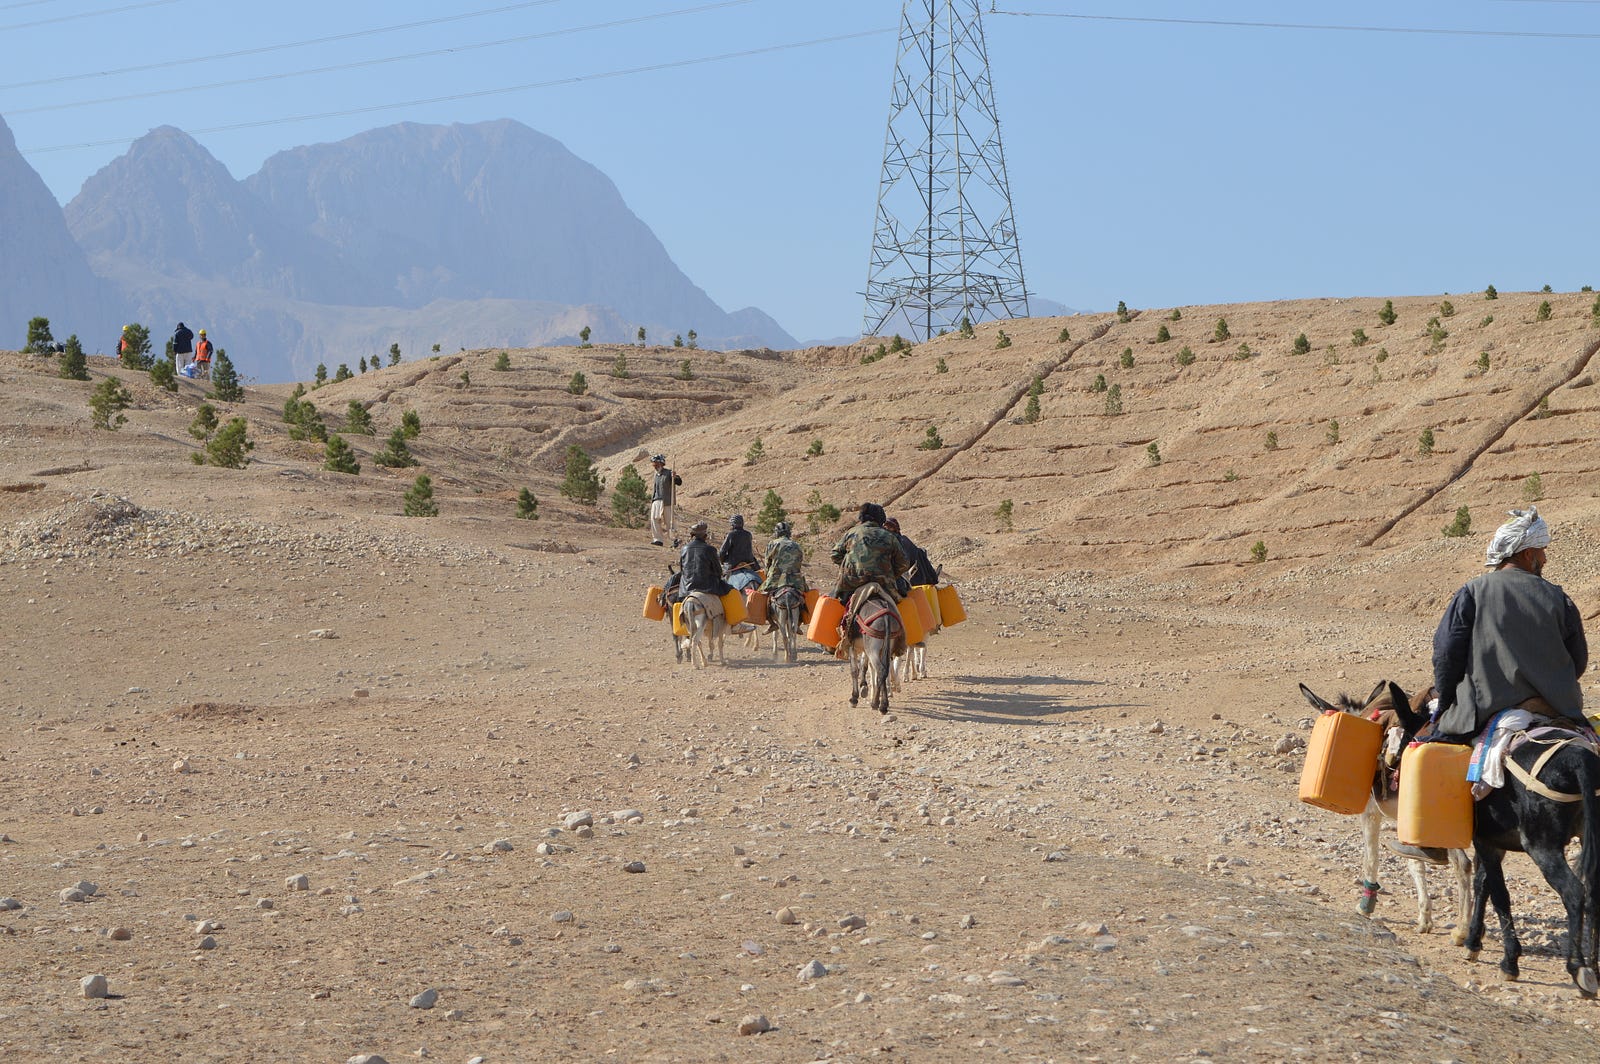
202, 332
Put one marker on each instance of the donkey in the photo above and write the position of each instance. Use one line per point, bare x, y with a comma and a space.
1400, 718
875, 635
707, 625
1549, 798
784, 611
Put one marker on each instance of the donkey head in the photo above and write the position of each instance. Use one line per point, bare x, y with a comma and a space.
1400, 716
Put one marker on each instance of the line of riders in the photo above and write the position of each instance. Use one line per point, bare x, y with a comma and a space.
873, 552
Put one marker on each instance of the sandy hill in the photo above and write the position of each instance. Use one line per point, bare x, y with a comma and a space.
1078, 840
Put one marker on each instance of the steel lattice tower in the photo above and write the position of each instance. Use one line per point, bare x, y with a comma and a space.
945, 243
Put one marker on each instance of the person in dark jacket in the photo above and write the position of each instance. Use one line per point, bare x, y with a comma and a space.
182, 347
699, 566
1510, 639
738, 555
920, 570
868, 553
663, 494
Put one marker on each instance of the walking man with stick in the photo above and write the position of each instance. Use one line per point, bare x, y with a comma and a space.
663, 496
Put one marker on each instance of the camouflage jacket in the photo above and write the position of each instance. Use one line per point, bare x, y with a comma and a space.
785, 560
870, 552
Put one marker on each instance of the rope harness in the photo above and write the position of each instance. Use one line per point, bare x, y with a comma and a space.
1530, 776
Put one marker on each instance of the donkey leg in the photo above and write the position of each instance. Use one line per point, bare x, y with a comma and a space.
1371, 821
1461, 865
1491, 887
1553, 863
1419, 879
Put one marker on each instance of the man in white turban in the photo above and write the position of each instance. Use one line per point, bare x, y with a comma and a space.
1510, 639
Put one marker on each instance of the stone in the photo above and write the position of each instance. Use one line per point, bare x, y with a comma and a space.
119, 934
755, 1023
786, 915
425, 1000
297, 882
633, 866
94, 986
968, 922
9, 905
574, 821
498, 846
208, 943
562, 916
813, 969
366, 1058
852, 922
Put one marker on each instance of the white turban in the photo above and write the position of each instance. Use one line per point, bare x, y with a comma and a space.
1526, 529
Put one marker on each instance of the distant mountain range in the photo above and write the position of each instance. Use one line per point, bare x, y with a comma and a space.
478, 235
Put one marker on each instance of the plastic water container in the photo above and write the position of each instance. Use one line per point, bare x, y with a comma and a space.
1341, 759
825, 617
653, 610
678, 627
756, 607
931, 593
950, 611
911, 619
811, 604
733, 607
1435, 797
919, 602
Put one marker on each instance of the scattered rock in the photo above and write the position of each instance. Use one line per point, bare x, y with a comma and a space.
574, 821
852, 922
755, 1023
812, 970
119, 934
633, 866
786, 915
297, 882
94, 986
425, 1000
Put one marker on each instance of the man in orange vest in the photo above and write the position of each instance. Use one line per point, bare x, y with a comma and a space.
202, 358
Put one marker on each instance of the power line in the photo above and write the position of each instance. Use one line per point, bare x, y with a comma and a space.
1424, 31
652, 68
380, 61
25, 3
218, 56
83, 14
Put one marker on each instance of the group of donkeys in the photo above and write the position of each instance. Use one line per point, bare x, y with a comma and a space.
1551, 795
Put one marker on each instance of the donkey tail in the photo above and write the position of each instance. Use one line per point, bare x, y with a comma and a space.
1589, 870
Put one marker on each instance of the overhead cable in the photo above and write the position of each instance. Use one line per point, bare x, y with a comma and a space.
1230, 23
85, 14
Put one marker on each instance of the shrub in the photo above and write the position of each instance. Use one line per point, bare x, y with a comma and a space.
1302, 346
578, 384
1122, 312
772, 512
162, 376
1258, 552
1358, 338
357, 420
419, 498
1483, 362
394, 353
1594, 312
694, 340
320, 377
1001, 340
411, 424
1437, 335
1163, 335
822, 513
1230, 476
1382, 355
1243, 354
204, 423
1490, 293
1030, 412
40, 342
1176, 315
1064, 336
1099, 383
395, 453
1003, 514
898, 344
1461, 526
685, 371
136, 352
1152, 454
342, 373
1543, 313
619, 367
1220, 333
1547, 289
74, 364
1114, 400
229, 449
1488, 319
677, 341
815, 450
583, 337
466, 378
225, 386
1387, 315
940, 367
965, 332
1447, 309
339, 457
630, 499
1126, 358
931, 440
362, 365
107, 403
755, 453
1533, 488
640, 335
303, 418
1543, 409
1333, 432
582, 482
870, 358
1425, 443
1272, 440
1185, 356
527, 506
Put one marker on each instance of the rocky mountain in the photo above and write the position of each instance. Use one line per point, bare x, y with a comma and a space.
42, 270
462, 236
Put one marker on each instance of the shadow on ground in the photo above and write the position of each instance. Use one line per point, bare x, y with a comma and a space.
994, 700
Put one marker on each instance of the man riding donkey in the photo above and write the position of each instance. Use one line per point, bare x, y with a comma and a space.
867, 554
1507, 655
785, 581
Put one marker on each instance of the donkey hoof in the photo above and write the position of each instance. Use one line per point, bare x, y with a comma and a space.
1458, 937
1588, 983
1508, 977
1472, 954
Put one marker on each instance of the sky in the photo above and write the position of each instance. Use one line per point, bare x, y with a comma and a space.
1158, 153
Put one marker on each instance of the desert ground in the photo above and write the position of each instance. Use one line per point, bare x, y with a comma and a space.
305, 779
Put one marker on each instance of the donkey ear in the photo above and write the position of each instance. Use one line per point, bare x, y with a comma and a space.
1376, 692
1316, 700
1411, 720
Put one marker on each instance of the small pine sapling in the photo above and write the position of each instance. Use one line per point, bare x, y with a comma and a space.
1230, 476
1176, 315
229, 449
1272, 440
1122, 312
362, 365
940, 367
677, 341
1001, 340
466, 378
394, 353
1152, 454
965, 332
630, 499
40, 341
107, 403
1258, 552
1003, 513
578, 384
772, 512
1447, 309
1099, 383
1533, 488
583, 337
1185, 356
1461, 526
640, 334
74, 363
161, 375
136, 351
502, 362
931, 440
619, 367
755, 453
1543, 313
225, 386
1125, 360
1114, 400
411, 424
1358, 338
320, 377
694, 340
339, 457
358, 420
1243, 353
1220, 333
1333, 432
1163, 334
395, 453
685, 371
582, 482
1547, 289
1483, 362
204, 423
1425, 443
419, 498
527, 505
1302, 345
1490, 293
1387, 316
1064, 336
815, 450
342, 373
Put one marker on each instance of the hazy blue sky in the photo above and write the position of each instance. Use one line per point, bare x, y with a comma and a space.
1151, 160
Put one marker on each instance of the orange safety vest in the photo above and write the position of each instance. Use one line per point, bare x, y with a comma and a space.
202, 351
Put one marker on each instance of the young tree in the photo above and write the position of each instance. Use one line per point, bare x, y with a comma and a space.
395, 453
1302, 345
136, 352
1461, 526
1185, 356
630, 499
225, 386
694, 339
1064, 336
303, 418
204, 423
503, 362
815, 450
1126, 361
74, 364
755, 453
1152, 454
394, 353
107, 403
1163, 334
527, 505
931, 440
1114, 400
419, 498
362, 365
1387, 315
641, 336
1001, 340
321, 376
619, 368
40, 342
342, 373
578, 384
357, 420
1220, 333
685, 371
411, 424
772, 512
677, 341
1003, 514
161, 375
583, 336
229, 448
1543, 313
1122, 312
940, 367
339, 457
582, 482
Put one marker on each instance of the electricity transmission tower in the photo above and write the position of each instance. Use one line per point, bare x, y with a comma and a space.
944, 246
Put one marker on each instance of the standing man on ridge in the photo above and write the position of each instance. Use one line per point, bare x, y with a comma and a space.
663, 496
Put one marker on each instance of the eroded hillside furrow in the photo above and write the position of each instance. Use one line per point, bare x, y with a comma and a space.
1465, 464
